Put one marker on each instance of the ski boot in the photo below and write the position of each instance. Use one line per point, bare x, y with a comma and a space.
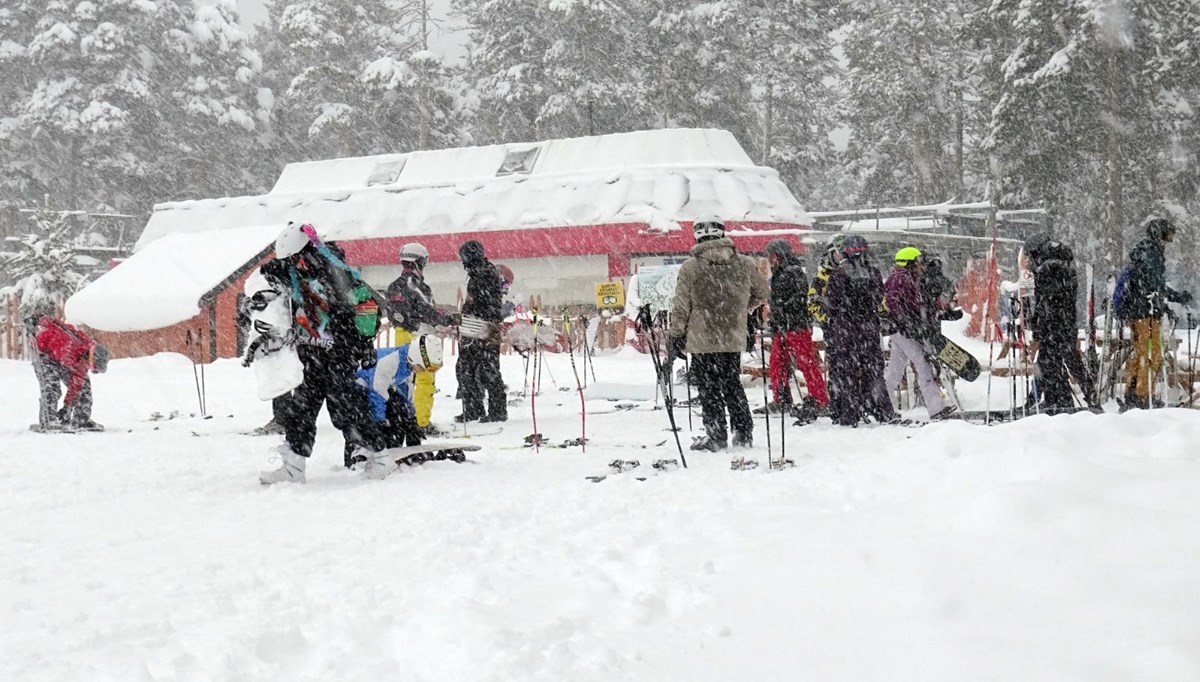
535, 439
947, 412
493, 418
743, 440
704, 443
742, 464
291, 471
665, 464
432, 430
618, 466
86, 425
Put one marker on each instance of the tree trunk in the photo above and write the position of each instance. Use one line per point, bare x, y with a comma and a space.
1116, 246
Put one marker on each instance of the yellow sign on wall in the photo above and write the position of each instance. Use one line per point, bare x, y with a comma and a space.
610, 295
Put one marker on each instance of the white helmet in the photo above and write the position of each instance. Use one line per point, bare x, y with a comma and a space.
425, 351
414, 252
710, 226
292, 240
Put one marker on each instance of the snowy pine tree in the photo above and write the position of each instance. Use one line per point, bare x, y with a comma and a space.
316, 53
910, 95
220, 111
43, 264
93, 121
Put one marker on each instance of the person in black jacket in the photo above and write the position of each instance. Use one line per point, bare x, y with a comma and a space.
1053, 323
334, 324
791, 328
853, 302
412, 312
1143, 304
478, 368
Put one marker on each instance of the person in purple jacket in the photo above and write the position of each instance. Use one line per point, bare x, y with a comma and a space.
902, 294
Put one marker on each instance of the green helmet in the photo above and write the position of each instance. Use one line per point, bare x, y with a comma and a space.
906, 256
835, 243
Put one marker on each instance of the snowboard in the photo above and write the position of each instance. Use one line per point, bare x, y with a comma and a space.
426, 452
270, 349
38, 428
956, 358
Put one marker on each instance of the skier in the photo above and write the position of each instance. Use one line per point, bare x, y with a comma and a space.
1143, 303
853, 299
412, 311
715, 289
912, 335
389, 388
1052, 322
478, 368
334, 323
791, 327
65, 355
816, 288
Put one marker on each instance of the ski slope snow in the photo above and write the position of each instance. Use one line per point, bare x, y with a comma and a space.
1049, 549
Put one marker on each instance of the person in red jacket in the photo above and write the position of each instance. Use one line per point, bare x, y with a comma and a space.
64, 356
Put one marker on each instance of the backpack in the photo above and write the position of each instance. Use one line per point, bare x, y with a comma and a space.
1120, 297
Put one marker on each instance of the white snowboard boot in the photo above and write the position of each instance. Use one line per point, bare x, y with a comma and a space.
372, 466
292, 470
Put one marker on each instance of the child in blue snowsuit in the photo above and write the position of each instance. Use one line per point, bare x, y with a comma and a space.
389, 389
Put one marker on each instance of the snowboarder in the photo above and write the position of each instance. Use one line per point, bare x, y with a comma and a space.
911, 322
715, 290
65, 355
412, 311
478, 368
1052, 322
389, 388
335, 318
791, 327
853, 298
1143, 303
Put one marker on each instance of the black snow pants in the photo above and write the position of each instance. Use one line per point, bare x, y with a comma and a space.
478, 372
1057, 358
51, 378
857, 386
718, 379
328, 380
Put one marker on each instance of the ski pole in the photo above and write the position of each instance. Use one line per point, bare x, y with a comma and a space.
787, 386
578, 385
687, 380
762, 347
1191, 362
537, 437
648, 323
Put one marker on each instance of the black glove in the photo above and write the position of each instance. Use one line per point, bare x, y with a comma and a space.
1185, 297
676, 348
367, 358
951, 314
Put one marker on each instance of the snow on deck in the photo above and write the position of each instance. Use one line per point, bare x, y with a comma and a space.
651, 177
162, 284
1056, 548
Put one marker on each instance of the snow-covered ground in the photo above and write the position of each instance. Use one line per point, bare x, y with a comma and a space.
1050, 549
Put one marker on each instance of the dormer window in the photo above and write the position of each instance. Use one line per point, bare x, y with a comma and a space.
518, 161
386, 172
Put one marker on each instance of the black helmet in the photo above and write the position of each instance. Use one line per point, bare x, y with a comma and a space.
780, 247
854, 245
1159, 228
1036, 243
471, 252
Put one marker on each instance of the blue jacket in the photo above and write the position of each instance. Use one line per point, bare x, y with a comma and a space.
391, 371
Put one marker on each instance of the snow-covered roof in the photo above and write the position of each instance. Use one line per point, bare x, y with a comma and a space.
654, 177
162, 284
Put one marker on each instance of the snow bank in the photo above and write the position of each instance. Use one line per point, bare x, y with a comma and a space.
162, 284
652, 177
1052, 549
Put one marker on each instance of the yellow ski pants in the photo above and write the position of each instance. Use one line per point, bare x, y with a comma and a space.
422, 384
